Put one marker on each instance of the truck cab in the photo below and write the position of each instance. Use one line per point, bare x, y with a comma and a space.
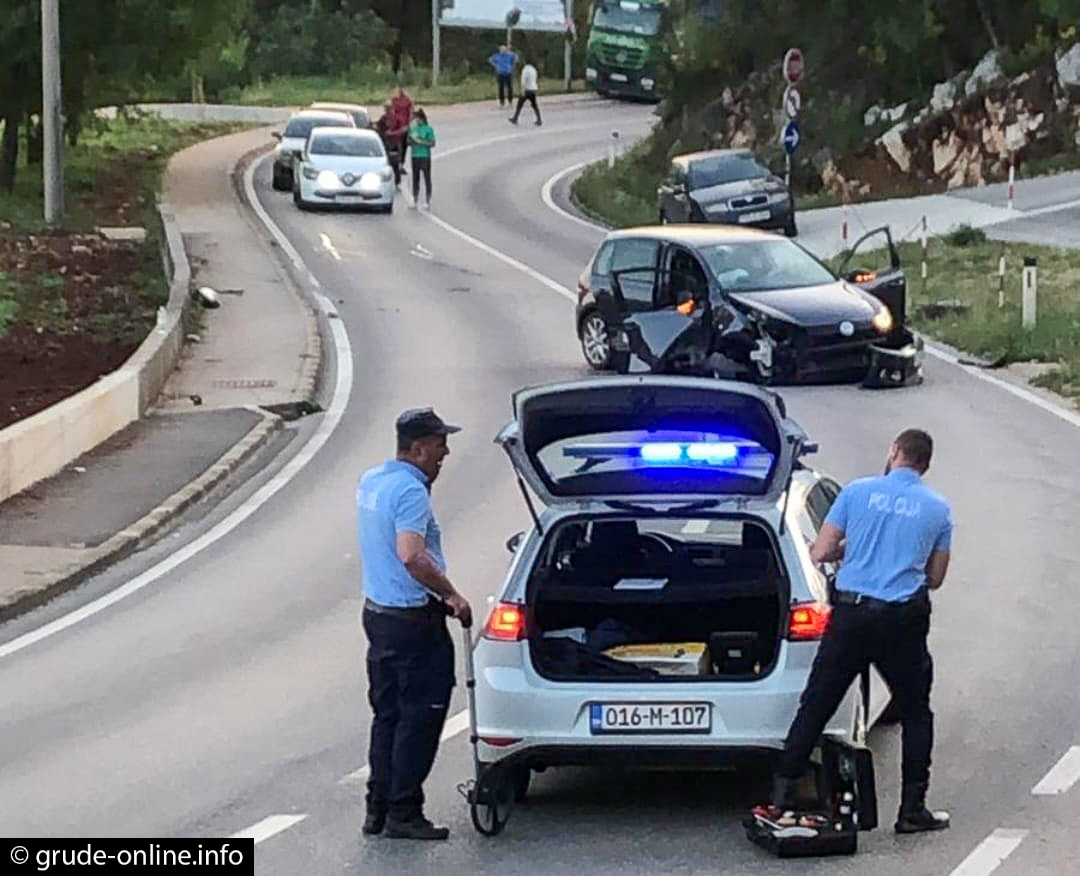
626, 51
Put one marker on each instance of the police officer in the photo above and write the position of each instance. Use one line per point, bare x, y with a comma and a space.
893, 534
410, 659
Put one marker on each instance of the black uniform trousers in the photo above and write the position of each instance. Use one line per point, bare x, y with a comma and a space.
892, 636
410, 665
506, 87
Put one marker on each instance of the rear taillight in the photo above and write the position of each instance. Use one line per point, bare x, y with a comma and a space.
506, 623
807, 621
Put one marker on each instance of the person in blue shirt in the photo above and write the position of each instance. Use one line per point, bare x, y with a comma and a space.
503, 62
893, 534
410, 660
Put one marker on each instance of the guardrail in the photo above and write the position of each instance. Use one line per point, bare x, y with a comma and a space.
41, 445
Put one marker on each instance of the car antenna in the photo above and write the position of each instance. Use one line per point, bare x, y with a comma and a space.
529, 504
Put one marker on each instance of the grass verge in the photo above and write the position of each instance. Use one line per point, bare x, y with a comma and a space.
302, 90
621, 196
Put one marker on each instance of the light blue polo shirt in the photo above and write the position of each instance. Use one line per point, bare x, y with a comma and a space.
892, 523
391, 498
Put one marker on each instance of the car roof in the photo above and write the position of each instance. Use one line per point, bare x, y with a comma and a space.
320, 114
334, 105
359, 133
695, 234
689, 157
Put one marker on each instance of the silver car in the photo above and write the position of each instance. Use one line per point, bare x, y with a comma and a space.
291, 141
663, 609
344, 166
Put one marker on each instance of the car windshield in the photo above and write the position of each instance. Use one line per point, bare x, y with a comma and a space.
301, 127
628, 17
720, 169
346, 144
764, 265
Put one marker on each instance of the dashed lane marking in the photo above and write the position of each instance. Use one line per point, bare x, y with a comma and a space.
1062, 776
268, 827
990, 853
328, 245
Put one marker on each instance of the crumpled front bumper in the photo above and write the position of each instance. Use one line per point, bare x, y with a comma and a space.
896, 363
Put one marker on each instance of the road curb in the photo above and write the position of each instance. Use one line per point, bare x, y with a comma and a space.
314, 368
152, 524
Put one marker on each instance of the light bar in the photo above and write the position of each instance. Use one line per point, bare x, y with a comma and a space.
663, 452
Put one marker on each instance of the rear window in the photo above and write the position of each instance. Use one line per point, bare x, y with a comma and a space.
722, 169
344, 144
301, 127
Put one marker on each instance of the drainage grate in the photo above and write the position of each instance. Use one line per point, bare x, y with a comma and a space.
244, 384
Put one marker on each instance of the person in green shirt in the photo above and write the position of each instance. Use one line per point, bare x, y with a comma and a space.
422, 140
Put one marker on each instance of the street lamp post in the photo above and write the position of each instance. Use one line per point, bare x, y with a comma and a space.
52, 111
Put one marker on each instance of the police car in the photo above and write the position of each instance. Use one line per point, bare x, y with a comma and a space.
663, 609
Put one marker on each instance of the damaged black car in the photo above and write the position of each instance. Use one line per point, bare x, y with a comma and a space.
744, 304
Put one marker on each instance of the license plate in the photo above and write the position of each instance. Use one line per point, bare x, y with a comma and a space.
756, 216
650, 718
618, 77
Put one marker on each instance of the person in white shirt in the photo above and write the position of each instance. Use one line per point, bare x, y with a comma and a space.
530, 85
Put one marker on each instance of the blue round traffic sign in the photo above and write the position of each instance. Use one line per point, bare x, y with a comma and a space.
791, 137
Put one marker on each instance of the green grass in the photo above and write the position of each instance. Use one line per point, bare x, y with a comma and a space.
371, 88
9, 306
621, 196
969, 273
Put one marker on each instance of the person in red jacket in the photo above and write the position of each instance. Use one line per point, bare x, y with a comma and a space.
393, 138
402, 106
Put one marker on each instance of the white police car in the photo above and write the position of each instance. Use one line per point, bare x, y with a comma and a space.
664, 609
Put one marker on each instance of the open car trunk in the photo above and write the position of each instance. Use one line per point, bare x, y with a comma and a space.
657, 599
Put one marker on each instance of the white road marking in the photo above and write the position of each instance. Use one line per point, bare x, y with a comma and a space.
455, 724
549, 201
328, 245
1049, 208
1062, 776
268, 827
421, 252
330, 421
1020, 392
990, 853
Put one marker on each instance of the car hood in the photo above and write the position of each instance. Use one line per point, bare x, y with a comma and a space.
292, 144
716, 194
346, 163
813, 305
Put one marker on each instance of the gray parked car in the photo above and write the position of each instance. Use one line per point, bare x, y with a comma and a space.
726, 186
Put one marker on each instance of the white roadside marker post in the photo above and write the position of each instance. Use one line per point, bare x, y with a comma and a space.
924, 270
613, 149
1030, 287
1012, 185
1001, 278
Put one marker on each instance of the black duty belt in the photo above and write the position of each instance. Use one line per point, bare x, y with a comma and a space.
432, 610
848, 597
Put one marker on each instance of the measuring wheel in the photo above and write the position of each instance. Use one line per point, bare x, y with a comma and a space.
491, 799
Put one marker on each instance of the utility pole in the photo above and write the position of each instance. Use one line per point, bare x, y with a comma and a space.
52, 111
436, 48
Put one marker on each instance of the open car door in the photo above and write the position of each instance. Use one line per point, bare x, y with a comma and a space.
652, 441
873, 264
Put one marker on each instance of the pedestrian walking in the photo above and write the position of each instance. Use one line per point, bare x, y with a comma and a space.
393, 138
410, 659
422, 140
503, 62
402, 104
893, 534
530, 85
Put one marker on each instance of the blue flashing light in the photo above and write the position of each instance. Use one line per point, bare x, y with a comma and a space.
661, 452
713, 452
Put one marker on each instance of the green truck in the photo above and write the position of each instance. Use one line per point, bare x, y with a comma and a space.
628, 48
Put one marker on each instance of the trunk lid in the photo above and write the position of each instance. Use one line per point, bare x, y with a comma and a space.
653, 442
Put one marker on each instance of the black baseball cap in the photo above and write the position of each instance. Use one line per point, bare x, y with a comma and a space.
417, 423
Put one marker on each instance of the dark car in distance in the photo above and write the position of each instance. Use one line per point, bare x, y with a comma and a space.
740, 303
728, 187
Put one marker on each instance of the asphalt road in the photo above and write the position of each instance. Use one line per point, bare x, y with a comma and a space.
232, 689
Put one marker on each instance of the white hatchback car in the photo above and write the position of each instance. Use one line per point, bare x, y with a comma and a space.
664, 609
344, 166
291, 141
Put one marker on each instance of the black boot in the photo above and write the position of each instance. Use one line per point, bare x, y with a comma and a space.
418, 828
783, 793
374, 822
914, 817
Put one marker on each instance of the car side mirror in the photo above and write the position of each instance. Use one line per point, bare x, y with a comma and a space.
276, 135
514, 541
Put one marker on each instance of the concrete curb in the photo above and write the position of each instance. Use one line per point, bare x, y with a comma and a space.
314, 374
152, 524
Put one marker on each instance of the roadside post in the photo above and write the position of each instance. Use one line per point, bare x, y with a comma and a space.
792, 69
436, 40
1001, 277
52, 111
1012, 184
613, 149
924, 271
1030, 282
